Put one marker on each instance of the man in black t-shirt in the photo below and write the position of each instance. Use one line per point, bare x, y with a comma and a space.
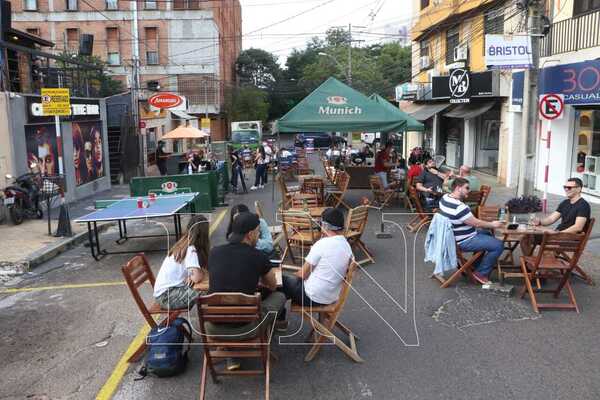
574, 214
238, 267
161, 158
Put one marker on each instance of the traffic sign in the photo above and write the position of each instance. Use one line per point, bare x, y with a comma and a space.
552, 106
56, 101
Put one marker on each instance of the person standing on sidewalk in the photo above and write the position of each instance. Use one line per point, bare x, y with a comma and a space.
161, 158
268, 159
261, 165
237, 169
466, 234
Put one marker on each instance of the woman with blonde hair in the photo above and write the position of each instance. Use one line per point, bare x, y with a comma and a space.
184, 266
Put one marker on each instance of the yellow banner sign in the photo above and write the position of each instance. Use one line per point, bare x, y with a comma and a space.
205, 124
56, 101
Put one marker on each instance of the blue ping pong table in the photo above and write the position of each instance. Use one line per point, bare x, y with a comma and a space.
127, 209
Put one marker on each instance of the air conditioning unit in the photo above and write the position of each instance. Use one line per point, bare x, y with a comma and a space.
461, 53
425, 62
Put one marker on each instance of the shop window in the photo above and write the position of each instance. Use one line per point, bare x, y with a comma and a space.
452, 41
30, 5
586, 157
150, 5
114, 59
112, 4
152, 57
585, 6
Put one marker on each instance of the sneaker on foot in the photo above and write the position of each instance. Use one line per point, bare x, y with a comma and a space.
253, 188
482, 279
261, 186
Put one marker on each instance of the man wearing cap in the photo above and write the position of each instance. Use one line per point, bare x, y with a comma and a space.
319, 282
238, 266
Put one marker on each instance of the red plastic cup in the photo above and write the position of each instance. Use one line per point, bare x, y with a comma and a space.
140, 203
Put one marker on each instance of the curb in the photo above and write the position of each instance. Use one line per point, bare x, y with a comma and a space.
49, 252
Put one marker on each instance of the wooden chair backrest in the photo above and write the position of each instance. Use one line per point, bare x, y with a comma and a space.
561, 243
310, 199
488, 213
357, 219
474, 196
346, 286
414, 196
258, 209
228, 308
137, 272
315, 186
342, 181
486, 190
282, 185
294, 221
376, 185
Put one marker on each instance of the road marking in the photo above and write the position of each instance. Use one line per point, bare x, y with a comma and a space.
110, 386
58, 287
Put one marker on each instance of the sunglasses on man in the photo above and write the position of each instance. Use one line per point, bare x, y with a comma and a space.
567, 188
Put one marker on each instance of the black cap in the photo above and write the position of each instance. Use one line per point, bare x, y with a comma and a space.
243, 223
334, 217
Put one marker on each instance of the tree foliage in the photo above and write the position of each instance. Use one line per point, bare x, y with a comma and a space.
258, 68
246, 103
100, 83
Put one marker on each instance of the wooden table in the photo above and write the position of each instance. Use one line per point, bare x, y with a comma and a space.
524, 229
203, 285
301, 178
314, 212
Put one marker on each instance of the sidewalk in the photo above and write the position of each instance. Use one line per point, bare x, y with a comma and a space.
27, 245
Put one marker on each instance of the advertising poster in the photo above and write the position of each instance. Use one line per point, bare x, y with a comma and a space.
41, 148
88, 151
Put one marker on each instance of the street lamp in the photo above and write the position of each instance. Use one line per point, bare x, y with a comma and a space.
348, 73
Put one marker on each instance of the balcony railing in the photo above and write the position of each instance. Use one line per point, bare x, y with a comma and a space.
572, 34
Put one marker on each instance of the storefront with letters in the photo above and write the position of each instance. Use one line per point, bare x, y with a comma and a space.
470, 128
575, 138
80, 152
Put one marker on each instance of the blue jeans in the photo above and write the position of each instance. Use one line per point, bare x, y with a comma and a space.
493, 248
260, 174
383, 177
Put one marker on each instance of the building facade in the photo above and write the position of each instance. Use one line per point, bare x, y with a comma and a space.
188, 47
570, 61
449, 35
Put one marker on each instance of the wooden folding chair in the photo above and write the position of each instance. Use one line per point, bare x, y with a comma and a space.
303, 168
558, 255
311, 200
355, 226
273, 229
381, 196
577, 270
254, 343
474, 198
299, 232
485, 190
465, 266
335, 198
137, 272
323, 325
421, 218
286, 191
316, 186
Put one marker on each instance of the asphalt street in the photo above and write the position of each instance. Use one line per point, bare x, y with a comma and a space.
418, 341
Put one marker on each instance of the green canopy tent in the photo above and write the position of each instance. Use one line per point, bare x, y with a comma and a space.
336, 107
411, 123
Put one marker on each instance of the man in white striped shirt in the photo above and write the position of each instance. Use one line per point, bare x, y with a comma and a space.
465, 225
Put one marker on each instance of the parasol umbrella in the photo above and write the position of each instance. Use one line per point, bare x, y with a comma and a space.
185, 132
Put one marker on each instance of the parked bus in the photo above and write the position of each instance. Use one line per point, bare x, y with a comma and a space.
246, 133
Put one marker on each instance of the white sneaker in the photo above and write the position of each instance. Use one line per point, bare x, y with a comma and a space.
261, 186
253, 188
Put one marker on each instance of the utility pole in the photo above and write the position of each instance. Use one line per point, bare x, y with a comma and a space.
529, 123
135, 87
350, 41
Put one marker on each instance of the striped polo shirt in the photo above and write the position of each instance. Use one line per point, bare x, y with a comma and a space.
457, 212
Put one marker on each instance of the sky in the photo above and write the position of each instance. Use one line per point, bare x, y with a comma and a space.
280, 26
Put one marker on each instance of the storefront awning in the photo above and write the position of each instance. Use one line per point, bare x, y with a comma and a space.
182, 114
422, 112
468, 111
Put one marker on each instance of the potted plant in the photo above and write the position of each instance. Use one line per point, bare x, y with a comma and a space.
524, 205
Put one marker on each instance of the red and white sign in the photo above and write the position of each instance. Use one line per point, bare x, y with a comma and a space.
552, 106
165, 100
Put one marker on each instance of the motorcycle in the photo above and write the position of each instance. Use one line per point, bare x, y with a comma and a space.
22, 198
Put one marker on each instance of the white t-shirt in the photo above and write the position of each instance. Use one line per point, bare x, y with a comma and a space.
268, 154
173, 274
330, 257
